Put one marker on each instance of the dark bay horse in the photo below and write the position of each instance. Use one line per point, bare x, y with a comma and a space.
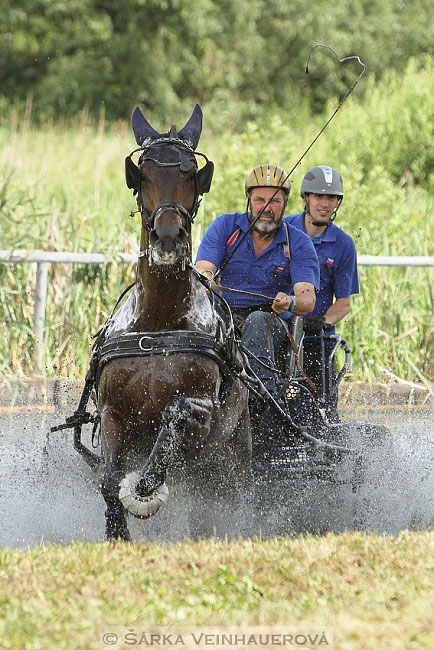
167, 381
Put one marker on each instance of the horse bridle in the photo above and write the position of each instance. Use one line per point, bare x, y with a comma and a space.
164, 206
186, 162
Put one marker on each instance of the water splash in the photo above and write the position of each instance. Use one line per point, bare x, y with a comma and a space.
48, 494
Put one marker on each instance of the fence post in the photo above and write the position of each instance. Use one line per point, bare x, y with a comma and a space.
41, 286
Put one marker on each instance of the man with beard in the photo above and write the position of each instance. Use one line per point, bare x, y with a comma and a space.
259, 254
322, 191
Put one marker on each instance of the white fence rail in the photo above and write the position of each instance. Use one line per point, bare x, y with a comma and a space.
43, 258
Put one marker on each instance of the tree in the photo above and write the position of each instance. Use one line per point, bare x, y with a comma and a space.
163, 54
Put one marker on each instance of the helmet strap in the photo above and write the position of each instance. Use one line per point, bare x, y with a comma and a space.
320, 223
333, 217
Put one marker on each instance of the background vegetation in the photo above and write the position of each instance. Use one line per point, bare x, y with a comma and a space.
162, 53
70, 76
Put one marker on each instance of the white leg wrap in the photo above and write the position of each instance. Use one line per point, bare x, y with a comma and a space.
141, 507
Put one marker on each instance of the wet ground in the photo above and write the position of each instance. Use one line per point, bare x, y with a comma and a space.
48, 494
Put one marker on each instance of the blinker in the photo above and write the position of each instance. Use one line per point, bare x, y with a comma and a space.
204, 177
186, 162
132, 175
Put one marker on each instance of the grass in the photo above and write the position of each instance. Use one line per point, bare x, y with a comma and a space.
373, 591
63, 189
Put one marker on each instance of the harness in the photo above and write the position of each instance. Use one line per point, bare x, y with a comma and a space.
221, 347
169, 342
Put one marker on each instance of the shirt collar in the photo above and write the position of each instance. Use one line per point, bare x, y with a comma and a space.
329, 233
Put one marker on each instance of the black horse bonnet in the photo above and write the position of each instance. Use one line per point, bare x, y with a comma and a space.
169, 149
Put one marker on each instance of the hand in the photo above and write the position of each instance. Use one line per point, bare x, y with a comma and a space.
316, 325
208, 270
215, 282
209, 274
281, 303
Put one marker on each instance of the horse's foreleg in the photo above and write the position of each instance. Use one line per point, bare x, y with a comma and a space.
114, 471
143, 493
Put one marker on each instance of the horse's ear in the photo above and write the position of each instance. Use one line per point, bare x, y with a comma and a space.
141, 127
204, 178
192, 130
132, 174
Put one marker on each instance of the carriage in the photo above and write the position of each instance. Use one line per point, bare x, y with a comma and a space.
169, 376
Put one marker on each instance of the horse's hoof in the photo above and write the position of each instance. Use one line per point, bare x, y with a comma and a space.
141, 506
118, 537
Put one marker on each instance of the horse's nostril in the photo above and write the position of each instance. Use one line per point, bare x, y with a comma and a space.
153, 238
182, 236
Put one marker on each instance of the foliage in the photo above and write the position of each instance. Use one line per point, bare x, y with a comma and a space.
373, 591
74, 198
89, 53
398, 111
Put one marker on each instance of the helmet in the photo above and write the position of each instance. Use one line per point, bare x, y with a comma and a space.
322, 180
268, 176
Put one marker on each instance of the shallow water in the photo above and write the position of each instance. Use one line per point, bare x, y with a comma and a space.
396, 491
48, 494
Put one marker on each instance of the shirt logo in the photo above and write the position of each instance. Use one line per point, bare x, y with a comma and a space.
329, 261
280, 269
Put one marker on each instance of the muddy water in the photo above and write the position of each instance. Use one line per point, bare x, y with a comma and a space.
48, 494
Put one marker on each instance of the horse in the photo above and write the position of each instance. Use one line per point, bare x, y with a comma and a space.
168, 377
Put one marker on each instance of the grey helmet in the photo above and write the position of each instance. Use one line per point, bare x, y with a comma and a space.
322, 180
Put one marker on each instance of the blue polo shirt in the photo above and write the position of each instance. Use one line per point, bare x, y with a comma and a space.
267, 273
337, 259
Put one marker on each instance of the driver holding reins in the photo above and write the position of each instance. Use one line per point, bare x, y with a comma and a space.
257, 252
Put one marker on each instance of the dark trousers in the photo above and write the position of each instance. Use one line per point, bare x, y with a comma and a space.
313, 367
265, 337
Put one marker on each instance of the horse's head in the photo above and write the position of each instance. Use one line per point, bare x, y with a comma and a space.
168, 184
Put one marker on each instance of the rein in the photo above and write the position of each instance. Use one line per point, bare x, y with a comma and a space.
219, 287
245, 293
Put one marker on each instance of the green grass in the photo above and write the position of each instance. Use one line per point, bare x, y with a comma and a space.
375, 592
63, 188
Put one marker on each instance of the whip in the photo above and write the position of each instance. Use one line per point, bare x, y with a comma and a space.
337, 109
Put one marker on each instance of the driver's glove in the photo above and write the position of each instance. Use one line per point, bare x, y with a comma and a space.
316, 325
